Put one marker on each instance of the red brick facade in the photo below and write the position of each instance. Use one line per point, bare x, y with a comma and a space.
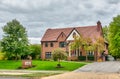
56, 38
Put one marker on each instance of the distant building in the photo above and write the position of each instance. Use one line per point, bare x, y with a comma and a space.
62, 37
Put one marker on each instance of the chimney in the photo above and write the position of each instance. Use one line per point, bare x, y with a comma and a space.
99, 26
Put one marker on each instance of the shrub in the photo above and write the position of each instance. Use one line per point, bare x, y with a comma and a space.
2, 56
91, 58
83, 58
58, 54
35, 51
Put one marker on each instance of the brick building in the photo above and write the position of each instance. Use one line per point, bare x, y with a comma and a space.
62, 37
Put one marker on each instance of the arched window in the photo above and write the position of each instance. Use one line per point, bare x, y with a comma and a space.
74, 35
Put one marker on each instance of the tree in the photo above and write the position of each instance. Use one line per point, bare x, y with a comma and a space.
99, 46
35, 51
85, 43
14, 42
88, 46
105, 33
58, 54
114, 37
82, 43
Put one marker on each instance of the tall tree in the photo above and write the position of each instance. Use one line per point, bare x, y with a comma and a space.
114, 37
82, 43
88, 46
105, 33
99, 46
14, 42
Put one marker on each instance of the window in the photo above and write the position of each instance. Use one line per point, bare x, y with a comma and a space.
48, 55
46, 44
51, 44
90, 53
80, 53
74, 35
62, 44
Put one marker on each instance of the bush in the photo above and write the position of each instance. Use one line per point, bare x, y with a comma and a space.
58, 54
35, 51
83, 58
2, 56
91, 58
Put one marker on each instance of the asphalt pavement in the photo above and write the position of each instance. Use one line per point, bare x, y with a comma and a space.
110, 67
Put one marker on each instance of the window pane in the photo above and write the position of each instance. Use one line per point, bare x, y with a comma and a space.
48, 54
51, 44
46, 44
62, 44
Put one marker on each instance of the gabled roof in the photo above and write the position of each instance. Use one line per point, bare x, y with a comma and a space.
52, 34
85, 31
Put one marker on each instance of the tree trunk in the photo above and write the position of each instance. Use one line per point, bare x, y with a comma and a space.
16, 57
86, 56
58, 61
95, 56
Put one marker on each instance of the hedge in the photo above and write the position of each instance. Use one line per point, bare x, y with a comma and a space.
83, 58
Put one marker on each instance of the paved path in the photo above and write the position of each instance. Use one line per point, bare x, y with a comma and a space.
84, 75
22, 72
13, 78
97, 70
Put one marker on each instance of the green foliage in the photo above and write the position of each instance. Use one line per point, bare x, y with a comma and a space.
35, 51
99, 45
83, 58
58, 54
14, 42
2, 56
105, 33
114, 37
78, 43
91, 58
82, 43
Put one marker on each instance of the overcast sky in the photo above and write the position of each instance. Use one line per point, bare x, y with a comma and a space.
39, 15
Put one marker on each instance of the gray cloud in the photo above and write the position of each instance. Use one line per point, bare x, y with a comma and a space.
38, 15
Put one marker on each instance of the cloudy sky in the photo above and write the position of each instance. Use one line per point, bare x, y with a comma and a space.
39, 15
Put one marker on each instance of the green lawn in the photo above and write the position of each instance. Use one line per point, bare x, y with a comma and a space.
41, 65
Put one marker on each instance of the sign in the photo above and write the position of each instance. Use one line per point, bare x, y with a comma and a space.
26, 63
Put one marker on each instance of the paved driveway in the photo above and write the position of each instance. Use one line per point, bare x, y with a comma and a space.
97, 70
111, 66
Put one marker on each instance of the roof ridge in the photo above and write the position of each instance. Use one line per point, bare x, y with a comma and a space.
72, 27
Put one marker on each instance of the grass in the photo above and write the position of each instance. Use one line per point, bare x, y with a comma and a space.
41, 65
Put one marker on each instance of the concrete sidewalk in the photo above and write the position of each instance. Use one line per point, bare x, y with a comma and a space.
22, 72
84, 75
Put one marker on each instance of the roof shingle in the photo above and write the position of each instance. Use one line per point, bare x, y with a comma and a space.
86, 31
